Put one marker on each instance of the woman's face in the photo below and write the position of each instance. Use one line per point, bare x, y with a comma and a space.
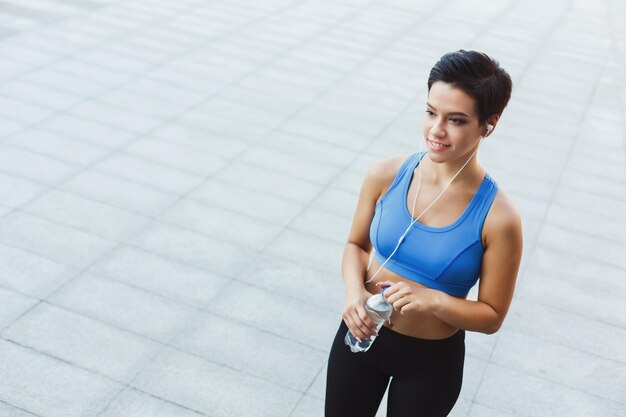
450, 119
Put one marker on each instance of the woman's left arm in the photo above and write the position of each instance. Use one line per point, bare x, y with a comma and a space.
500, 264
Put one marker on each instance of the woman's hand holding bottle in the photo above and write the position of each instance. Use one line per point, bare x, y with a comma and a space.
355, 316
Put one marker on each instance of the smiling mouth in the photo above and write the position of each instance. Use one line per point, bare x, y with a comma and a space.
437, 145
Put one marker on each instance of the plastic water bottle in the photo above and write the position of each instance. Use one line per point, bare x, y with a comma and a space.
379, 310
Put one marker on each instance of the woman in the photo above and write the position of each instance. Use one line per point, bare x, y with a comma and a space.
452, 236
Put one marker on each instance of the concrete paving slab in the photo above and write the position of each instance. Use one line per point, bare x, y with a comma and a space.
14, 305
173, 280
478, 410
229, 126
22, 111
199, 140
593, 374
295, 280
149, 173
35, 167
277, 314
323, 224
577, 269
174, 156
289, 164
30, 274
247, 113
17, 191
132, 402
83, 342
270, 182
52, 240
213, 389
57, 146
306, 248
575, 297
582, 220
119, 192
564, 327
40, 95
348, 180
139, 103
7, 410
338, 202
353, 134
47, 386
242, 347
64, 82
274, 210
588, 245
521, 394
316, 149
217, 222
87, 131
216, 255
114, 116
85, 214
123, 306
309, 407
86, 71
136, 403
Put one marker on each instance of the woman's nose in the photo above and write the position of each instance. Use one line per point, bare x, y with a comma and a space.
437, 131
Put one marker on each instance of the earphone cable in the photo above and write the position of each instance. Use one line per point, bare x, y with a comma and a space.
424, 211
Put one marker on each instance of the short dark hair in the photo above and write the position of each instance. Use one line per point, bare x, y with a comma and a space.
479, 76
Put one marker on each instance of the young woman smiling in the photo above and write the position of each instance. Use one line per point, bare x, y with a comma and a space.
432, 224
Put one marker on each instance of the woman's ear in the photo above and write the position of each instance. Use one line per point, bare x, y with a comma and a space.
491, 124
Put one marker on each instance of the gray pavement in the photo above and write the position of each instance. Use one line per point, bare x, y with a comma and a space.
177, 180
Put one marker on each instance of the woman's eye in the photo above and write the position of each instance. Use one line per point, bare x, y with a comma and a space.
457, 121
428, 112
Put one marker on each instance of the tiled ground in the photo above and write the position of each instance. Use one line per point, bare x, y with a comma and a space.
177, 180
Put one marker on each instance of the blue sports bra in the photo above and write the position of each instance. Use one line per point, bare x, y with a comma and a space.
445, 258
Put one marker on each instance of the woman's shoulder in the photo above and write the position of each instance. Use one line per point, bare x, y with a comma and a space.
503, 217
387, 168
382, 172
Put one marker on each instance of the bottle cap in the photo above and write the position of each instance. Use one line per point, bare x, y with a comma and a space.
383, 291
377, 302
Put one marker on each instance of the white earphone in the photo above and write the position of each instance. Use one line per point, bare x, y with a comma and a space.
489, 129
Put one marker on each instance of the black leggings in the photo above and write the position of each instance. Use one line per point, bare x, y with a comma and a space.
427, 375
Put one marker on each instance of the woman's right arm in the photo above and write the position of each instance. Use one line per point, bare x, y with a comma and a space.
356, 253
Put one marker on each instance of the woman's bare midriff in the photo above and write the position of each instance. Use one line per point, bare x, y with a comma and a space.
424, 325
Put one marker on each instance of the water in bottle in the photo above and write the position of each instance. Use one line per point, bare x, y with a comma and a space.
379, 310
